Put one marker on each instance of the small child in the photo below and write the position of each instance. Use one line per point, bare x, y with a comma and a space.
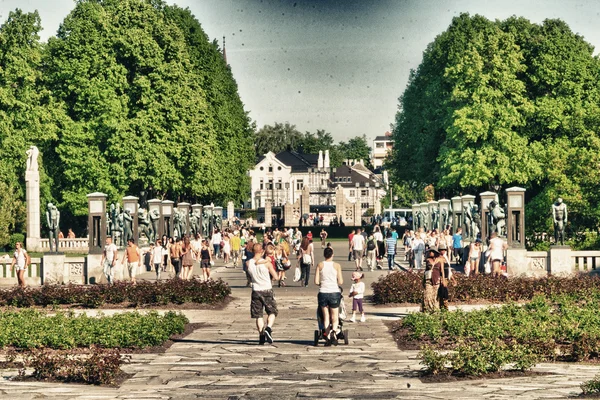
357, 291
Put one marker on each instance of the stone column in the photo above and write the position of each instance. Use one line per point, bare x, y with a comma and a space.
268, 212
456, 213
131, 203
155, 205
230, 211
166, 212
467, 199
515, 226
561, 261
209, 225
218, 212
184, 209
426, 217
32, 194
434, 208
305, 201
197, 211
486, 199
340, 203
445, 214
96, 222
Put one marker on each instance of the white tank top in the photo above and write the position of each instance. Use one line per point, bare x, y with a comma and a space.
329, 282
261, 278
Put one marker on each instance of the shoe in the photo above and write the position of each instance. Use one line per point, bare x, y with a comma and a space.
261, 338
362, 319
269, 334
333, 338
352, 319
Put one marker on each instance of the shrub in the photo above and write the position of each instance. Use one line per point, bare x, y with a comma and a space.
407, 287
95, 366
176, 291
14, 239
592, 386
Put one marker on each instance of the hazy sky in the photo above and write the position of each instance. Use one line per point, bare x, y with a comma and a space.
333, 65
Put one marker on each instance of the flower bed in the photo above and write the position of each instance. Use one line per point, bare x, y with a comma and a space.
175, 291
407, 287
561, 327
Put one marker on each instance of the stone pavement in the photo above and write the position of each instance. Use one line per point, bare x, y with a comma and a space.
223, 360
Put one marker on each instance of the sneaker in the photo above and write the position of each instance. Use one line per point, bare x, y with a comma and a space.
362, 319
333, 338
352, 319
261, 338
269, 334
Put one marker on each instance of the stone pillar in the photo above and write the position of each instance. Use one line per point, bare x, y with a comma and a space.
467, 201
218, 213
154, 207
434, 208
456, 213
166, 212
305, 201
230, 211
515, 225
486, 199
32, 198
426, 217
96, 222
288, 215
131, 203
208, 211
357, 214
340, 203
184, 210
268, 212
561, 261
416, 221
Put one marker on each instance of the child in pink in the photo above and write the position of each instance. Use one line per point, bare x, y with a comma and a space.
357, 292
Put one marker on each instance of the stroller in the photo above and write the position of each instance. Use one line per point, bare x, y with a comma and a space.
342, 335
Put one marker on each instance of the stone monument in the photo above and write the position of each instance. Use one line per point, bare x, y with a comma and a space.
559, 217
32, 194
53, 221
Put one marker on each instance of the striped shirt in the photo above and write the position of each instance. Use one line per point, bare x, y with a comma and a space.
391, 245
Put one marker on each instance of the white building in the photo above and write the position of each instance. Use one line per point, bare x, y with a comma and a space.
382, 145
281, 178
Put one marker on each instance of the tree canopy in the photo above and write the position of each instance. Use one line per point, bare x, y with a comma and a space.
129, 96
504, 103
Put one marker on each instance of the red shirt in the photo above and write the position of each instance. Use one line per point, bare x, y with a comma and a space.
350, 236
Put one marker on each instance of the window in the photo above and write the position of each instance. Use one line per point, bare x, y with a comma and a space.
262, 168
379, 145
279, 185
270, 185
270, 168
262, 184
279, 168
364, 192
352, 193
299, 184
364, 205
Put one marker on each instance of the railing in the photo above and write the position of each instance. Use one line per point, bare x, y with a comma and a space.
76, 245
32, 273
586, 260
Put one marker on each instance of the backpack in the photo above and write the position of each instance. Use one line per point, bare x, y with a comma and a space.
371, 245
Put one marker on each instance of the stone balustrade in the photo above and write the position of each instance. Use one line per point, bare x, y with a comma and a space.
585, 261
76, 245
32, 274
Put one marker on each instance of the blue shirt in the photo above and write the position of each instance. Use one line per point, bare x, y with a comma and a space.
456, 239
395, 235
391, 245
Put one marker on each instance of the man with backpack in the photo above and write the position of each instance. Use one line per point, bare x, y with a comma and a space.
372, 253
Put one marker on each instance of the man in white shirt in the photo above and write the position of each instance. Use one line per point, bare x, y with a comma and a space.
109, 259
261, 272
358, 246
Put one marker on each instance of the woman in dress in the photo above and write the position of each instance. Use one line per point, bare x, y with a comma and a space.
187, 261
226, 247
206, 257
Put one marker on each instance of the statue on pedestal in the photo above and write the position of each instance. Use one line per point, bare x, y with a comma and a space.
498, 218
195, 218
468, 218
127, 226
154, 221
178, 224
144, 224
53, 220
476, 224
559, 216
32, 158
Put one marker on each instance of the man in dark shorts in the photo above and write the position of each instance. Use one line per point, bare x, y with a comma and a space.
261, 272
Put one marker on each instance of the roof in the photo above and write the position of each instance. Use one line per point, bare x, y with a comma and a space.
384, 139
297, 161
355, 177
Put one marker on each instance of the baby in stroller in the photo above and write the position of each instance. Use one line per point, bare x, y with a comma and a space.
324, 332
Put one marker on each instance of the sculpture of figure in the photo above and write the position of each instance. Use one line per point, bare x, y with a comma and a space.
127, 226
443, 218
418, 219
559, 216
115, 210
32, 158
218, 222
468, 219
154, 220
195, 220
144, 224
205, 223
476, 224
425, 221
177, 224
498, 218
435, 217
53, 220
118, 227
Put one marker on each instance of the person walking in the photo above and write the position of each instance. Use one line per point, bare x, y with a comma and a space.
417, 249
328, 276
457, 245
432, 279
358, 246
390, 247
472, 267
357, 291
496, 253
157, 258
236, 247
372, 253
350, 237
306, 259
206, 259
109, 259
216, 242
262, 300
22, 260
187, 262
323, 237
175, 254
132, 255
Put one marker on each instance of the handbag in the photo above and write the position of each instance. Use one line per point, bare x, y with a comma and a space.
443, 292
306, 259
297, 274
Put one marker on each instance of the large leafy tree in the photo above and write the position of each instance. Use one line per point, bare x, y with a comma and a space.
496, 104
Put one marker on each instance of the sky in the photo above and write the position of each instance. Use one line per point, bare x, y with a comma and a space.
337, 65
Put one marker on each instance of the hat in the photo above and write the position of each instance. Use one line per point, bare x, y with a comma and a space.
357, 275
434, 251
442, 246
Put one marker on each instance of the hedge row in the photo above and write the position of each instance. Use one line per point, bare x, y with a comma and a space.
30, 328
407, 287
175, 291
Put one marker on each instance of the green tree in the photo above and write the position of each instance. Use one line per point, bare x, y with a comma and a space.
277, 138
356, 148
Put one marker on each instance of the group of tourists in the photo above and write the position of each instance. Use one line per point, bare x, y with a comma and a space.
379, 245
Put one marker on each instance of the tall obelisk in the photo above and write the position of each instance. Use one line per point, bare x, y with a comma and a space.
32, 194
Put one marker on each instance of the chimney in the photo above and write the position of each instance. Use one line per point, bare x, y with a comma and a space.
320, 160
326, 160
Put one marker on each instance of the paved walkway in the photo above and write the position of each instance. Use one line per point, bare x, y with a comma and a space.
223, 360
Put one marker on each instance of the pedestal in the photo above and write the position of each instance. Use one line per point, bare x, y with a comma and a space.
54, 270
94, 272
32, 198
561, 261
